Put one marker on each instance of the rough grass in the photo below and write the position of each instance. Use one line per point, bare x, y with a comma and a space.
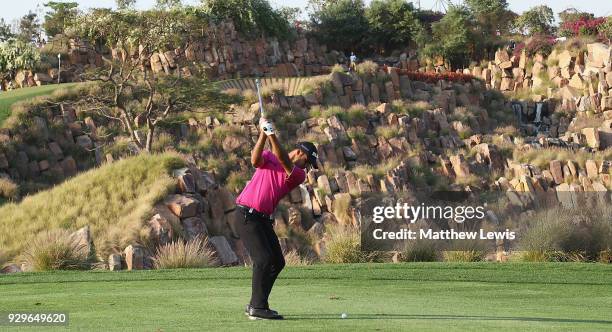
567, 235
181, 254
55, 250
542, 157
8, 189
386, 297
7, 99
420, 251
114, 200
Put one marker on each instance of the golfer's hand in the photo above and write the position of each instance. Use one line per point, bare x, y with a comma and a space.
266, 126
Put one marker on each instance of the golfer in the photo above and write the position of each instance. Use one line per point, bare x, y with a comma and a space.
276, 175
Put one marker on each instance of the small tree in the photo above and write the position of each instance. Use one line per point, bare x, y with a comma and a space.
60, 15
5, 31
133, 96
29, 28
17, 55
168, 4
341, 23
605, 29
251, 17
125, 4
392, 23
491, 15
537, 20
452, 37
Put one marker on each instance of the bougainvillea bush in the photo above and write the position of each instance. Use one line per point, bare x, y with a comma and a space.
432, 77
582, 27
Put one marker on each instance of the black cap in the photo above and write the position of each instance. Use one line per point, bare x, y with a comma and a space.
311, 152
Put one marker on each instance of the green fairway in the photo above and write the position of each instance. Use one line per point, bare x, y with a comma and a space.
417, 297
8, 98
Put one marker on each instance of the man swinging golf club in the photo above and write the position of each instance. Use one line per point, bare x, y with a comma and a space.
277, 173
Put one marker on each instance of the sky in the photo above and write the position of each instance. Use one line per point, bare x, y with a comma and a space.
12, 10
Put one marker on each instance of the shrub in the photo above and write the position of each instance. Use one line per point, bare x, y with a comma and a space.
163, 141
367, 68
181, 255
237, 180
355, 113
540, 44
341, 208
56, 250
232, 92
463, 255
388, 132
293, 258
8, 189
583, 26
357, 133
220, 165
543, 157
605, 256
272, 89
343, 246
337, 68
251, 17
433, 77
420, 251
331, 111
322, 83
561, 235
249, 96
3, 259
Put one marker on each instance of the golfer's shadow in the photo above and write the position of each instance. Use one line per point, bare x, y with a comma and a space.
445, 317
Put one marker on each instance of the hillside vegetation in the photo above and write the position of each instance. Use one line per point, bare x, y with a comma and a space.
113, 200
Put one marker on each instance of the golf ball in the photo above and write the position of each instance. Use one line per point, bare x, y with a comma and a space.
344, 315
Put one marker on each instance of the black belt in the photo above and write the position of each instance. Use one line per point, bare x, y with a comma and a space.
255, 213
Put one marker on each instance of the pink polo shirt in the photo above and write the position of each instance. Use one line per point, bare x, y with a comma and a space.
269, 184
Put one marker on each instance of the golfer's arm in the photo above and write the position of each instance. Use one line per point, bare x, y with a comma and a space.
281, 154
256, 159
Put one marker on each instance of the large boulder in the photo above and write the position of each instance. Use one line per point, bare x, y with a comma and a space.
460, 166
599, 55
234, 142
82, 238
182, 206
134, 257
224, 251
194, 227
592, 137
160, 230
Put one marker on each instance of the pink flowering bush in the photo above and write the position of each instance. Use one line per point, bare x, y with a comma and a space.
582, 27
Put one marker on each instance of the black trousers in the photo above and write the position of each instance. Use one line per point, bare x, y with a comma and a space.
257, 235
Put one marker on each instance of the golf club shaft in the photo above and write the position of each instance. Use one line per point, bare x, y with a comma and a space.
261, 108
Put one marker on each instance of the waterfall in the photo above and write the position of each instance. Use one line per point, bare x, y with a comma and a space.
538, 117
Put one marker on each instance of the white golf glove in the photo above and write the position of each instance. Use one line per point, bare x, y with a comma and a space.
266, 126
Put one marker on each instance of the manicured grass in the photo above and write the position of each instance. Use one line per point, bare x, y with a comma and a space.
408, 297
7, 99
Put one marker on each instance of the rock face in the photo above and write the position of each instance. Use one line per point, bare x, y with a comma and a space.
226, 255
182, 206
114, 262
161, 231
460, 166
194, 227
82, 237
134, 257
